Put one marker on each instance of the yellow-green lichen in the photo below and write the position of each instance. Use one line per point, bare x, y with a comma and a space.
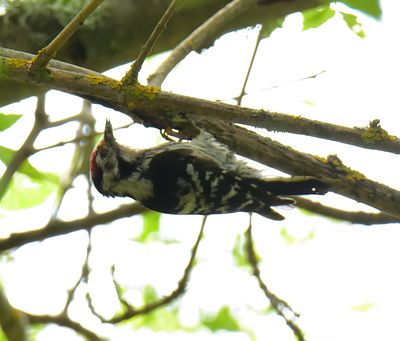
7, 65
102, 80
136, 94
17, 63
138, 91
349, 173
374, 132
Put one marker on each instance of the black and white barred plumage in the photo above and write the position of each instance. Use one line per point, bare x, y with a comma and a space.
198, 177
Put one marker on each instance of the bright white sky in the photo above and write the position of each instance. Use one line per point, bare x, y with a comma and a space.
343, 267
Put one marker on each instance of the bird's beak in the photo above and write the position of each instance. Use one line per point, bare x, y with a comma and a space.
108, 134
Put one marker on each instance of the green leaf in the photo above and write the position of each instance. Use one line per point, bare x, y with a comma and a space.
223, 320
315, 17
6, 121
353, 24
3, 336
163, 319
238, 252
289, 239
363, 306
149, 294
369, 7
151, 225
25, 192
7, 154
34, 331
270, 26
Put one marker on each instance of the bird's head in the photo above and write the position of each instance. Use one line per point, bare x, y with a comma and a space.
104, 169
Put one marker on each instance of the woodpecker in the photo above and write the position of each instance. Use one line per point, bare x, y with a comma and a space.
198, 177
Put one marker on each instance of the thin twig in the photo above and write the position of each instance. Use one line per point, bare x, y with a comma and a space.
65, 321
197, 39
76, 139
46, 54
313, 76
73, 171
131, 76
118, 289
363, 218
180, 289
281, 307
26, 149
83, 275
246, 79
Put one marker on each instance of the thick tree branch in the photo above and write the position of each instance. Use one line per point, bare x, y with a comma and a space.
160, 109
148, 103
117, 29
342, 179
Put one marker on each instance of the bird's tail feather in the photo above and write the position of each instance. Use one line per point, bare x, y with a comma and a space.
270, 214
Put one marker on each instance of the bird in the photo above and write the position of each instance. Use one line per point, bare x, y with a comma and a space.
202, 176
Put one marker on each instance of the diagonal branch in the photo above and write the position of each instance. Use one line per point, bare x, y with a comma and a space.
341, 179
152, 104
199, 37
131, 76
156, 108
57, 227
250, 67
43, 57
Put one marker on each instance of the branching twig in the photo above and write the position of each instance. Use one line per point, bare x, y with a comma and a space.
131, 76
118, 290
49, 52
65, 321
57, 228
180, 289
26, 149
281, 307
197, 39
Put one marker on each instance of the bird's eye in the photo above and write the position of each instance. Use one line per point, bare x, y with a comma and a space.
103, 153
